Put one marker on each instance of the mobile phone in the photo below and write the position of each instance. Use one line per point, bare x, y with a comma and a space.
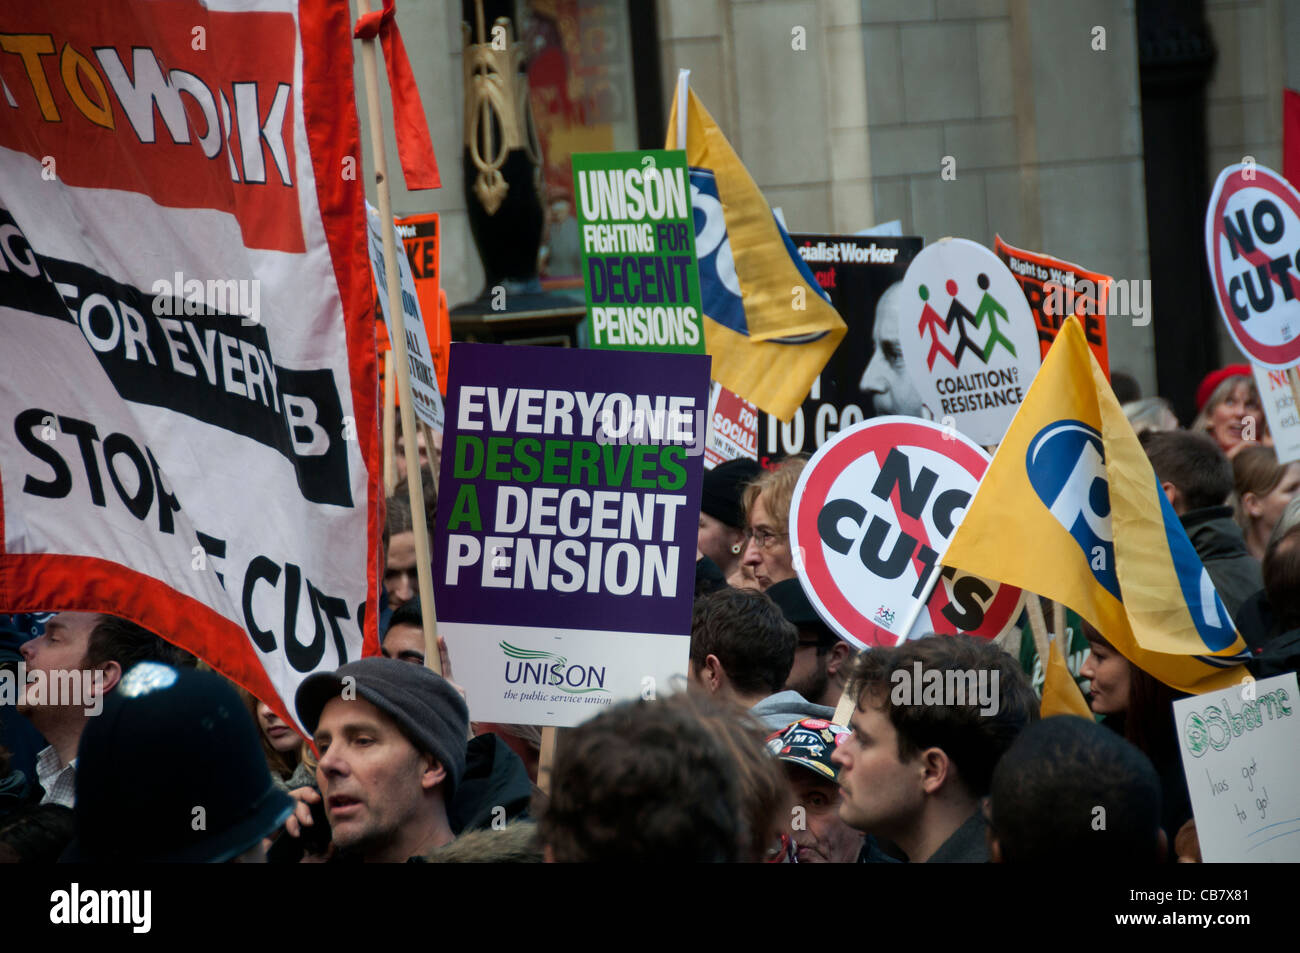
313, 839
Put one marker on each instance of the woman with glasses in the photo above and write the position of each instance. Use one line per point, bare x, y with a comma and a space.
767, 517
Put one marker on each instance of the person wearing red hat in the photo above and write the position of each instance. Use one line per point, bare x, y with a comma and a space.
1229, 409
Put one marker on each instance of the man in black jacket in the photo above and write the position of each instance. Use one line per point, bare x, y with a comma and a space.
391, 738
932, 718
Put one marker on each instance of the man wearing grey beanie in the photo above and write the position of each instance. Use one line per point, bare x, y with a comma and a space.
391, 738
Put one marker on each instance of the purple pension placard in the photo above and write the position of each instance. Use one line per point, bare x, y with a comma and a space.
593, 528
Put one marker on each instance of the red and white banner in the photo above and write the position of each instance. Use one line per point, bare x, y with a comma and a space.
188, 427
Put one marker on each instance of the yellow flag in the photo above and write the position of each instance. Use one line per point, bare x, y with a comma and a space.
1061, 695
1071, 509
769, 327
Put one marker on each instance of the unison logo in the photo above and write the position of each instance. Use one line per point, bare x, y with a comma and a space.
531, 667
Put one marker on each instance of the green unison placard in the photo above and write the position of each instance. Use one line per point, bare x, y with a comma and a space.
638, 251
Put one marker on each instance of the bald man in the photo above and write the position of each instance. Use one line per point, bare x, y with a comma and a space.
886, 378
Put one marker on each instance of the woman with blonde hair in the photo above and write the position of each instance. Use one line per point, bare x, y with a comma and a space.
282, 745
1264, 488
767, 518
1229, 409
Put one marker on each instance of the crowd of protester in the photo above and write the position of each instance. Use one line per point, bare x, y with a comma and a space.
745, 763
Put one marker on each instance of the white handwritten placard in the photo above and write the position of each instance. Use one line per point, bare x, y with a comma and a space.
1239, 754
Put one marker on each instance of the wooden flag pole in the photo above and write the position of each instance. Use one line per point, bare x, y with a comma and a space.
397, 334
428, 448
546, 759
844, 710
1009, 638
1058, 630
390, 425
1034, 607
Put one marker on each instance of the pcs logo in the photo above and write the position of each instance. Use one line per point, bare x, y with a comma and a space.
719, 286
1066, 463
720, 291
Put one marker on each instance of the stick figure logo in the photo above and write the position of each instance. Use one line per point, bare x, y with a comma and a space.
991, 309
933, 326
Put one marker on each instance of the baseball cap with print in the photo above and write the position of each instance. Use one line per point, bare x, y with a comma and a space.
809, 742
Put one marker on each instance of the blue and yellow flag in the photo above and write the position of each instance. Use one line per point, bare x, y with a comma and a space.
1071, 509
770, 329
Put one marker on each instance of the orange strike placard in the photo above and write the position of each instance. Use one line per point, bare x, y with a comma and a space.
1046, 280
422, 239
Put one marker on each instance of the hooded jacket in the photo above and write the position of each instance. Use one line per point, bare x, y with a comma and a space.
517, 843
1255, 622
495, 778
1222, 548
779, 710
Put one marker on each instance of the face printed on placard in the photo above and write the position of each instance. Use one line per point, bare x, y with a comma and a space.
866, 376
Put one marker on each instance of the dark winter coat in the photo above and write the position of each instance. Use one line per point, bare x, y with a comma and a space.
1222, 548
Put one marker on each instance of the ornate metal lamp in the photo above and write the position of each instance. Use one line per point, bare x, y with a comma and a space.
502, 162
